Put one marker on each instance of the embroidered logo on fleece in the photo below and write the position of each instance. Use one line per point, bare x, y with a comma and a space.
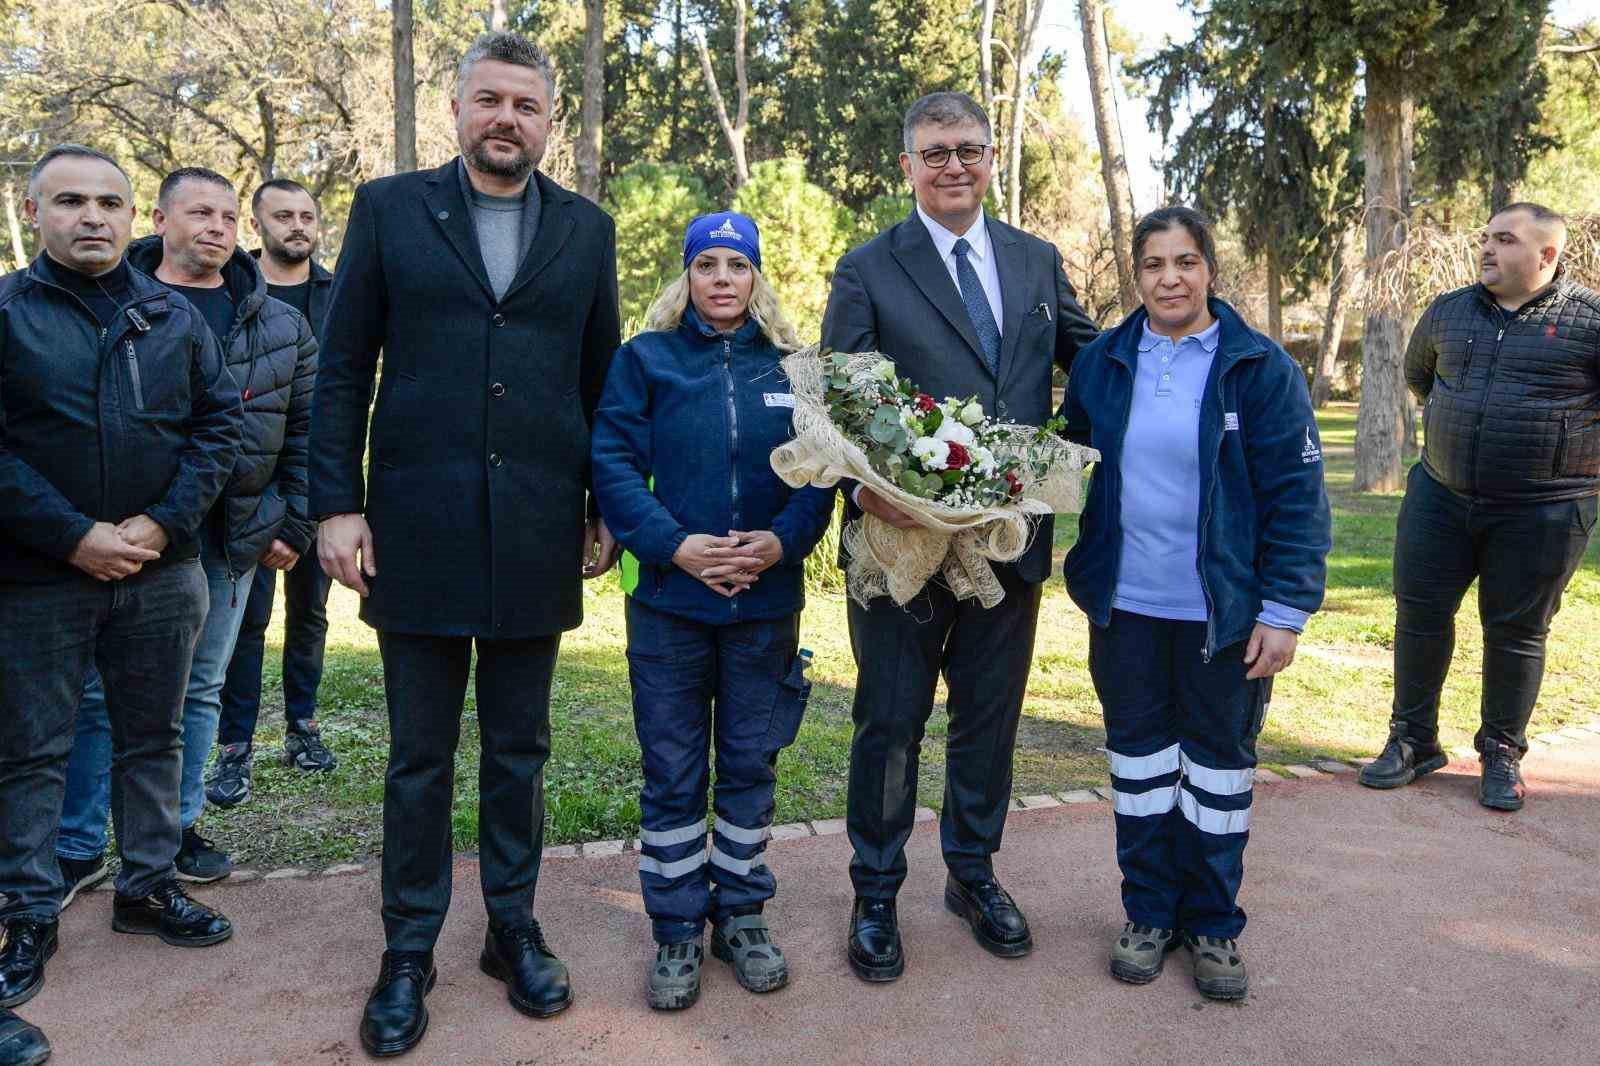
1230, 420
1310, 453
726, 230
779, 399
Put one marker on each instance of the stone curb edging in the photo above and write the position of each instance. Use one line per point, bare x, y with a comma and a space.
835, 826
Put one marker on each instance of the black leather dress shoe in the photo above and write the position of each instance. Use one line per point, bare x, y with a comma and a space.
995, 918
21, 1044
29, 943
874, 948
536, 981
396, 1016
170, 914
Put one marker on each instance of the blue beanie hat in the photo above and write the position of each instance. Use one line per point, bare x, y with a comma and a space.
725, 229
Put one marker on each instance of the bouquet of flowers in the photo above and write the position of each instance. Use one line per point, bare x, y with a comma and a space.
974, 485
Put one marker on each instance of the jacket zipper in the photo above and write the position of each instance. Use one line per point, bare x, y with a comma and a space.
1208, 649
733, 444
1488, 389
133, 374
1561, 446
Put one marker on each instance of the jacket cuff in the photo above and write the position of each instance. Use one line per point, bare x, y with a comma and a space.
77, 527
1282, 616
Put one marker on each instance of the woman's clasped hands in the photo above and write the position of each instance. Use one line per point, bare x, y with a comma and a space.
728, 565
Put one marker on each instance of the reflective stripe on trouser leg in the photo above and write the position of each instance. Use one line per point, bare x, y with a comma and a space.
1215, 806
1144, 795
739, 865
672, 877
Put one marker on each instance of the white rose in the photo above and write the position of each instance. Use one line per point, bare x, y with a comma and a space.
983, 463
884, 371
954, 432
931, 452
972, 414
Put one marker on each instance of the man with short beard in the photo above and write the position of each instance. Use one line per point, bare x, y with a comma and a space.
285, 216
492, 294
1509, 373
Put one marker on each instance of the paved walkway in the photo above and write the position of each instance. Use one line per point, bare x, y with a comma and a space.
1407, 927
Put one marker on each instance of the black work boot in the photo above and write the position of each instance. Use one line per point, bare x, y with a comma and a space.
396, 1015
1500, 787
29, 943
21, 1044
874, 946
1402, 761
536, 981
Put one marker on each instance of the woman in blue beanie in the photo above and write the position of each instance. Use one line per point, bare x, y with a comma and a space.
691, 411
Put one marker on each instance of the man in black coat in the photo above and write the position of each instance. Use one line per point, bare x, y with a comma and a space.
965, 306
492, 294
1508, 371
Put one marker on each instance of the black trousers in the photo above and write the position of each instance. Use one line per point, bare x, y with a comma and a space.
425, 682
985, 655
1522, 555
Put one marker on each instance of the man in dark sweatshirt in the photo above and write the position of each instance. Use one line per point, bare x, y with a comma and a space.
119, 425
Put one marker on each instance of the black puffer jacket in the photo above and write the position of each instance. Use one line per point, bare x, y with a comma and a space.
272, 355
1512, 398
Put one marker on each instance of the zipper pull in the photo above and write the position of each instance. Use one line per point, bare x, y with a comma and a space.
1501, 335
138, 320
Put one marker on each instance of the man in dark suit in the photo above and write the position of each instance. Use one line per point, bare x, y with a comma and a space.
492, 294
965, 305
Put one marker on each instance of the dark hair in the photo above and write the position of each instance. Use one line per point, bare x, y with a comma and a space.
1175, 217
170, 183
943, 109
69, 151
510, 48
285, 184
1539, 212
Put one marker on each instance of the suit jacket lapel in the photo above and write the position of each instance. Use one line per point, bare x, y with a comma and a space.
1012, 264
555, 226
914, 249
448, 209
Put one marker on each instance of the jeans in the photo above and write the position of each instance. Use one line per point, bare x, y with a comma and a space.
425, 684
739, 686
1181, 740
1522, 555
83, 816
305, 633
140, 634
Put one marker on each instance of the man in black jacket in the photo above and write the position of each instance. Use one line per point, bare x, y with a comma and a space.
965, 306
1509, 371
285, 216
260, 518
118, 427
492, 294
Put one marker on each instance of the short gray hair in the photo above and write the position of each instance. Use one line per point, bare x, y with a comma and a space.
510, 48
69, 151
943, 109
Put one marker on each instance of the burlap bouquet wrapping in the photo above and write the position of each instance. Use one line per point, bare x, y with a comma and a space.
958, 544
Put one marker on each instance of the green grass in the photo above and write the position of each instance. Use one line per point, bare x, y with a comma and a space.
1332, 702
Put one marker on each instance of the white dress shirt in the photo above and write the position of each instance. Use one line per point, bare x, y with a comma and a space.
981, 257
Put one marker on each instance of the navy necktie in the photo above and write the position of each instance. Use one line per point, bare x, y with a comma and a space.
977, 305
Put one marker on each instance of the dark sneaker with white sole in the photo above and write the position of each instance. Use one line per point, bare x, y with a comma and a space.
1501, 788
1139, 953
304, 750
228, 784
1218, 967
200, 862
80, 875
1402, 761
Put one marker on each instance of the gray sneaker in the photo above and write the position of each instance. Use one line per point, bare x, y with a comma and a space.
1218, 967
675, 975
1139, 953
747, 943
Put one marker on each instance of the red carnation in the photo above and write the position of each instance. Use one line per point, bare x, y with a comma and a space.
958, 457
1014, 482
925, 402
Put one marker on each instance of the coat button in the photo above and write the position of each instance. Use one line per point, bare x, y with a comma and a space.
498, 319
497, 389
494, 459
443, 215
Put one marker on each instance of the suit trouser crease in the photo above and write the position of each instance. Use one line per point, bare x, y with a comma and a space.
699, 687
1180, 739
139, 634
425, 683
1522, 556
985, 655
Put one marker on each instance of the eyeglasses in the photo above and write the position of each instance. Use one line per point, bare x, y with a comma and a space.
969, 155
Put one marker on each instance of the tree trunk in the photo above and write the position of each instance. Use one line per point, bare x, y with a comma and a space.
734, 128
405, 89
1274, 293
1332, 328
18, 249
677, 78
1113, 164
1028, 12
499, 17
594, 98
986, 59
1390, 113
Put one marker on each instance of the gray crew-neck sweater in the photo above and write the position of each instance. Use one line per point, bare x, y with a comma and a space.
498, 221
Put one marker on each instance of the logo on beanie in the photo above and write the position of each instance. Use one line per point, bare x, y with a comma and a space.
726, 230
